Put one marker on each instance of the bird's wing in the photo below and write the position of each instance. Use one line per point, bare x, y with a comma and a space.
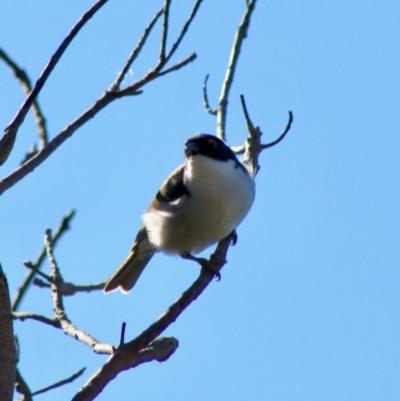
172, 189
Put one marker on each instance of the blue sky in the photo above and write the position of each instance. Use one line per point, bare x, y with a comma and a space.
307, 308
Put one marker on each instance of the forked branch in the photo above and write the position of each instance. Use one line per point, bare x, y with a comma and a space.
25, 83
241, 34
107, 98
10, 133
126, 355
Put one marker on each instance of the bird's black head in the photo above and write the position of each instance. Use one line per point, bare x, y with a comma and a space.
209, 145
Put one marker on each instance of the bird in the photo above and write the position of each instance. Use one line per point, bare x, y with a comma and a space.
201, 202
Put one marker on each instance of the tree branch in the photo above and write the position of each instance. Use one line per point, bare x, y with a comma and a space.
39, 318
164, 34
281, 136
178, 65
135, 53
241, 34
70, 379
101, 103
30, 266
59, 310
205, 98
125, 356
25, 82
159, 350
22, 289
10, 133
253, 147
68, 289
183, 32
8, 350
22, 388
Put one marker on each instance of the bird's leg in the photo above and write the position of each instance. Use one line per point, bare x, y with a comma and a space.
234, 237
203, 262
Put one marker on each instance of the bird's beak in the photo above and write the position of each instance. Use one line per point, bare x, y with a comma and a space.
191, 149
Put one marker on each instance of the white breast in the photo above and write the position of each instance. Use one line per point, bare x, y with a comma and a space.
221, 194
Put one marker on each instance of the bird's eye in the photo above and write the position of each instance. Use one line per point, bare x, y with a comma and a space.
212, 142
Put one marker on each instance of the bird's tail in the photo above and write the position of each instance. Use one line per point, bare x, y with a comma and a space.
129, 272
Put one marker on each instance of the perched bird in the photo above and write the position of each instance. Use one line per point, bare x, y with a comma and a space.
199, 204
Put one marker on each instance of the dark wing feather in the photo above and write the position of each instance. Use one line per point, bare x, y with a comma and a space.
172, 189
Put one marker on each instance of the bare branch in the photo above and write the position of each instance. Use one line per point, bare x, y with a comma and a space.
39, 318
285, 131
25, 82
61, 382
68, 328
164, 36
8, 350
205, 98
126, 354
253, 147
21, 291
178, 65
122, 338
10, 133
102, 102
183, 32
238, 150
134, 89
159, 350
59, 310
56, 279
67, 289
136, 51
30, 266
241, 34
22, 388
31, 152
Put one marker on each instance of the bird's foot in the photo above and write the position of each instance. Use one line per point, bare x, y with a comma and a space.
203, 262
234, 237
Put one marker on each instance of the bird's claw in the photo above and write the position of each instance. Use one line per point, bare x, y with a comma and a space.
234, 237
204, 263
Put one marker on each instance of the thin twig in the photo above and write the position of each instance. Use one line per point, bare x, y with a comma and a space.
59, 310
150, 76
285, 131
122, 337
22, 289
10, 133
241, 34
135, 52
56, 278
25, 82
30, 266
39, 318
61, 382
100, 104
8, 349
184, 30
31, 152
67, 289
205, 98
22, 388
125, 355
253, 146
164, 33
178, 65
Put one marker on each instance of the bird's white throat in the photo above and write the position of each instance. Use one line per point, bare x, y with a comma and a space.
221, 194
